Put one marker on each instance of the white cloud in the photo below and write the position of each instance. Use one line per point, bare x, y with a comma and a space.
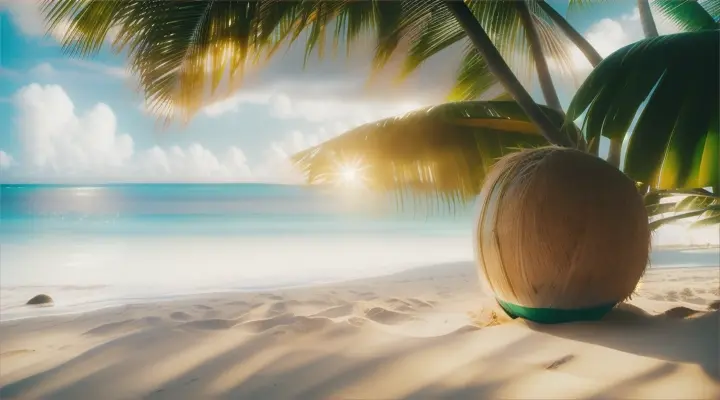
349, 110
42, 70
320, 108
233, 103
608, 35
6, 160
57, 144
109, 70
26, 15
53, 136
194, 163
276, 165
45, 70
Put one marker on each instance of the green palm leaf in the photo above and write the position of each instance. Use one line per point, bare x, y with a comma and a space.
712, 7
501, 20
688, 15
669, 83
668, 206
442, 152
474, 77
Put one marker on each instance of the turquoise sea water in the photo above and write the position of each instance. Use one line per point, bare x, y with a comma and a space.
97, 245
101, 243
216, 209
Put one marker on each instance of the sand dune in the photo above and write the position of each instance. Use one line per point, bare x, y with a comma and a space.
424, 333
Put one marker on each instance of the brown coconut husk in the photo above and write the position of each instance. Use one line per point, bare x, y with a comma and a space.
559, 228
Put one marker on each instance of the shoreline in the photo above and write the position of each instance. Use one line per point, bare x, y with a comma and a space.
118, 302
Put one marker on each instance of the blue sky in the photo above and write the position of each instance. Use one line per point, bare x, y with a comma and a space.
64, 119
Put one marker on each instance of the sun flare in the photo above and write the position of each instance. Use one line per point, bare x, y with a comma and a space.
350, 174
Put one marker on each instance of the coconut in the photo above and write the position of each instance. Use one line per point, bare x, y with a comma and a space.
561, 235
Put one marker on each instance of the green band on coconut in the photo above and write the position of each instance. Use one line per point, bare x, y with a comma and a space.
555, 315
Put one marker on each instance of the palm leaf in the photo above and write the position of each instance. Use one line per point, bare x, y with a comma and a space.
442, 152
180, 51
429, 28
669, 84
668, 206
688, 15
474, 77
439, 30
712, 7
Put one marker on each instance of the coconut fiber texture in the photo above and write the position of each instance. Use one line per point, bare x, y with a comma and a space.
561, 236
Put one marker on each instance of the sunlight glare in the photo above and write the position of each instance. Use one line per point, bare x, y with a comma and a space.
350, 174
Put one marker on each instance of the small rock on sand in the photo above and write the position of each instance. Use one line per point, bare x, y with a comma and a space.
41, 299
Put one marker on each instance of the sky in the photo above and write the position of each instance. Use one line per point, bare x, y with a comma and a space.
68, 120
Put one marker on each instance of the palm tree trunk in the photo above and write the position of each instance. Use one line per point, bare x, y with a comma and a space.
544, 77
615, 152
578, 40
504, 74
646, 19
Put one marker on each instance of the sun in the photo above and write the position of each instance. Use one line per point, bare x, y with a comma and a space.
350, 174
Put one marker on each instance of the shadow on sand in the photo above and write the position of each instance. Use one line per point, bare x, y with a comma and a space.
334, 363
315, 358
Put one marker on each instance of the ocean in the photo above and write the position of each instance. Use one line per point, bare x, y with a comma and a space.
94, 246
88, 246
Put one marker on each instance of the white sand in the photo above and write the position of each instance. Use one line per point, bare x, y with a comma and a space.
421, 333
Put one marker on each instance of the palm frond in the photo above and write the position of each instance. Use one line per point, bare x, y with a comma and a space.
180, 51
712, 7
669, 83
474, 77
441, 152
711, 218
688, 15
668, 206
438, 30
430, 28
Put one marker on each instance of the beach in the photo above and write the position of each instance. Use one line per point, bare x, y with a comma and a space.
386, 226
275, 292
426, 332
